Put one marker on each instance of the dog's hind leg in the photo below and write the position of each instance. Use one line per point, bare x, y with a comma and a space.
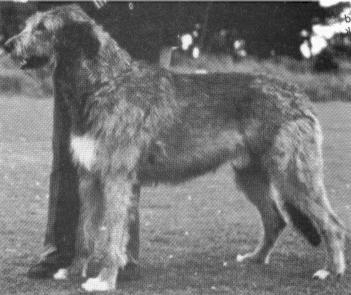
256, 186
296, 167
317, 220
113, 236
314, 218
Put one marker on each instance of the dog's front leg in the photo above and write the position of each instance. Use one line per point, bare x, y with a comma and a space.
113, 237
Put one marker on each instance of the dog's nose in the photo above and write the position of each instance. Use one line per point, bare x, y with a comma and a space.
9, 45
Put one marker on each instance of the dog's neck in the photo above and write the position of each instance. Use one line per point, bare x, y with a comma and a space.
109, 63
81, 78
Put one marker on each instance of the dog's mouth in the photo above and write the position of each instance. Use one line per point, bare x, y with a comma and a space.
33, 62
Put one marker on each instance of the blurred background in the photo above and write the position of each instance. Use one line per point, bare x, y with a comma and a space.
306, 42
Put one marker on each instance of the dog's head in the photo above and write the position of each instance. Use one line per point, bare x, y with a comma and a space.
64, 30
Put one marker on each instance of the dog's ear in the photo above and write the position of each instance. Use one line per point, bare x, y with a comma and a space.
76, 37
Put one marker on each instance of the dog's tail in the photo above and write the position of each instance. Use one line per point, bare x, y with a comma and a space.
303, 224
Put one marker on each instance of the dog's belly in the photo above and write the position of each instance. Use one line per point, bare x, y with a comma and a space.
83, 149
172, 163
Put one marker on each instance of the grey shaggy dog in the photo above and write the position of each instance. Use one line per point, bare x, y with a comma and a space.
134, 125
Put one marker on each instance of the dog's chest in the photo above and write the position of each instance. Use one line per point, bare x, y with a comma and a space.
83, 149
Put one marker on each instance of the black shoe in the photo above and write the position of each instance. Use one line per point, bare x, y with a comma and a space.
42, 270
131, 272
48, 266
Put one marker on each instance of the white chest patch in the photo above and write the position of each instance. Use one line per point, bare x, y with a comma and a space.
83, 150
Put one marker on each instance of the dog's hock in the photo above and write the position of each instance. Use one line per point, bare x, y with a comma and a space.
83, 150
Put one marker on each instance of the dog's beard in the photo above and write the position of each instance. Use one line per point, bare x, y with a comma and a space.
33, 62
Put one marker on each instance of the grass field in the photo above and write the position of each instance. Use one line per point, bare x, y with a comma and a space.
191, 233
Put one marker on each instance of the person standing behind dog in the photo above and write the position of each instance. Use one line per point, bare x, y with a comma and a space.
59, 244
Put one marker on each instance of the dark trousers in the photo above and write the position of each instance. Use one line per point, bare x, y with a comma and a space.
63, 210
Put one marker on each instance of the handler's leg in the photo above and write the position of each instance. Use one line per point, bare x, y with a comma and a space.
63, 201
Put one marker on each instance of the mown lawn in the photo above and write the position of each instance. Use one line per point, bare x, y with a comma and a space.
191, 233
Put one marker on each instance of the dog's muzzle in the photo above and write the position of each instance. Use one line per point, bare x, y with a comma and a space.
25, 62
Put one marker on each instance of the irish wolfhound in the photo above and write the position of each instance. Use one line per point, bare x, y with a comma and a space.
134, 125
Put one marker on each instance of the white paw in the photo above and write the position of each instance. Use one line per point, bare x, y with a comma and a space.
251, 257
240, 258
95, 284
61, 274
321, 274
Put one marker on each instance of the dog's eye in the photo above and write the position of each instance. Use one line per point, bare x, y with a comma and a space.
41, 27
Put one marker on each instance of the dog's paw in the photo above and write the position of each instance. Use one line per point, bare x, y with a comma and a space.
96, 284
61, 274
240, 258
252, 258
321, 274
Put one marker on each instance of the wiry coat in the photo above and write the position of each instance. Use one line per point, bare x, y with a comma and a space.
134, 124
178, 125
